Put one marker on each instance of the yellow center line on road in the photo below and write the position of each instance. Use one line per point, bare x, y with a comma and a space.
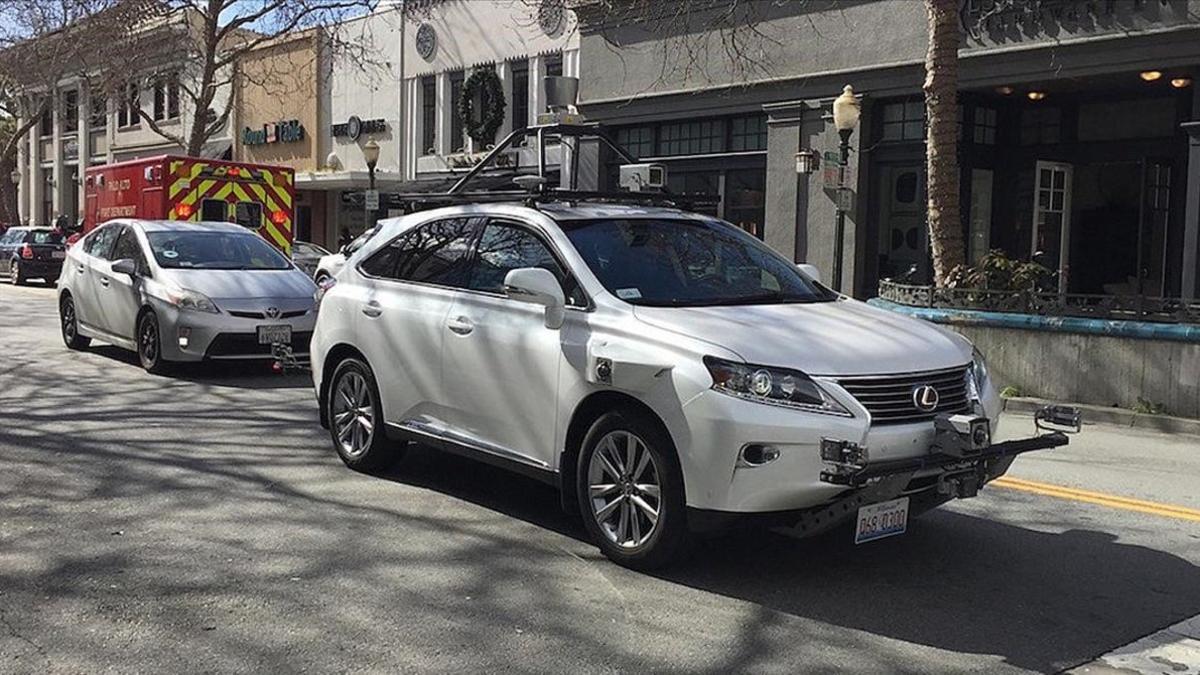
1113, 501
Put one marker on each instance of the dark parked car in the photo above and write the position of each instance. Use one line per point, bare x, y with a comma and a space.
32, 253
306, 256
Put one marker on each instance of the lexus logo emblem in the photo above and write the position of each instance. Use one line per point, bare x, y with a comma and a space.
273, 313
925, 398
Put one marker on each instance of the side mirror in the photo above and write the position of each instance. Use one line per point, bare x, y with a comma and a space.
810, 271
537, 286
125, 266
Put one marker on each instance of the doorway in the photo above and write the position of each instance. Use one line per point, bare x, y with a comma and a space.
903, 240
1052, 219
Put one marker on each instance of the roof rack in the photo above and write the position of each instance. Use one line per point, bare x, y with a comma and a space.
424, 201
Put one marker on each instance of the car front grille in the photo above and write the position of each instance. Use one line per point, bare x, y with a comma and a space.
262, 315
889, 398
246, 344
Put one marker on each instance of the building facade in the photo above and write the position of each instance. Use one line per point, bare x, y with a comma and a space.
1075, 143
84, 128
399, 88
281, 109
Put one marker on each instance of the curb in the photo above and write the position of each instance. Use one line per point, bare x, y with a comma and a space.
1095, 414
1171, 650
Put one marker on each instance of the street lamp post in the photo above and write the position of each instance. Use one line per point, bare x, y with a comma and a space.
846, 111
371, 155
15, 177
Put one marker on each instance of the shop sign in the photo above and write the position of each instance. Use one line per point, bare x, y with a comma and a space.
290, 131
355, 127
371, 197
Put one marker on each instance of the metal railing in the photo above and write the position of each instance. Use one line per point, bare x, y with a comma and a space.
1084, 305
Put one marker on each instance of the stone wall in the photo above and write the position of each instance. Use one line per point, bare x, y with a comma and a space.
1095, 369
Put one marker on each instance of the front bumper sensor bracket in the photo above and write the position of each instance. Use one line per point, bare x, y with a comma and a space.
963, 473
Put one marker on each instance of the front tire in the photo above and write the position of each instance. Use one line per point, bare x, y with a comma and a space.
69, 322
149, 344
15, 276
356, 419
630, 491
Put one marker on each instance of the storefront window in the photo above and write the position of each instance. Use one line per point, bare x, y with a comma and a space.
904, 121
1040, 125
746, 199
637, 141
692, 138
985, 125
748, 133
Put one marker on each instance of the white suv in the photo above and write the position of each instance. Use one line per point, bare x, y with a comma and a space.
668, 372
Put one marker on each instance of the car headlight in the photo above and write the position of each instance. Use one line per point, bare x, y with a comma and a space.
777, 386
185, 299
977, 376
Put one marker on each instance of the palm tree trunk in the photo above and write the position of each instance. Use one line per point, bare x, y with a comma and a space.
941, 153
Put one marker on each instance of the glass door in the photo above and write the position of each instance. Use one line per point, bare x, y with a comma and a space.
1052, 219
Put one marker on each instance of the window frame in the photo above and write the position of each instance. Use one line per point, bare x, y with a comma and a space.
69, 112
129, 107
95, 235
458, 127
140, 260
508, 221
474, 220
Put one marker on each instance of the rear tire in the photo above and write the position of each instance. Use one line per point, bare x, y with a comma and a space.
149, 344
356, 419
15, 276
69, 322
630, 491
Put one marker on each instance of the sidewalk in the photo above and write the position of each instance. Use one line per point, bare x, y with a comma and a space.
1174, 650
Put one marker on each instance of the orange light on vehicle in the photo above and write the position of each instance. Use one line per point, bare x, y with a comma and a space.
183, 211
278, 217
234, 171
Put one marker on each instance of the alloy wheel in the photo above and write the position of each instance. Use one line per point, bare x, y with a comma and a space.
14, 273
353, 414
624, 489
69, 328
148, 339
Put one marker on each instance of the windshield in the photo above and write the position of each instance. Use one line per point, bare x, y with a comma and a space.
215, 251
688, 263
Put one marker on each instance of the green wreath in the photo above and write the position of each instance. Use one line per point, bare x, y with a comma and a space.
485, 84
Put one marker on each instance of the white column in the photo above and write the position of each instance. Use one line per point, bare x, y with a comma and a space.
571, 62
85, 142
21, 165
34, 179
537, 90
444, 110
504, 70
60, 177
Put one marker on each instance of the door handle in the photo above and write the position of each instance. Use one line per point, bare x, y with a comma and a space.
460, 325
104, 281
372, 309
79, 268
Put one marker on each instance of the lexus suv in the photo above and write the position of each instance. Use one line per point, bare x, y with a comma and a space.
671, 374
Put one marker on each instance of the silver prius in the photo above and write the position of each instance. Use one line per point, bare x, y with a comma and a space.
177, 291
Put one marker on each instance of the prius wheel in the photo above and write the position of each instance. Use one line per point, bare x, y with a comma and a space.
70, 324
630, 491
356, 419
15, 276
149, 344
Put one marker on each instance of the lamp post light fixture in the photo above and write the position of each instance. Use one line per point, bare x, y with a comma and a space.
370, 152
846, 112
807, 162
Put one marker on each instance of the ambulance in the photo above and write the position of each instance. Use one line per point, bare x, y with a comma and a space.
255, 196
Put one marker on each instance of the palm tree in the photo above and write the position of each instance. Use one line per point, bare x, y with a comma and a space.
941, 153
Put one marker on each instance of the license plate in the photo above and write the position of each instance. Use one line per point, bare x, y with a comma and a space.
884, 519
58, 255
269, 335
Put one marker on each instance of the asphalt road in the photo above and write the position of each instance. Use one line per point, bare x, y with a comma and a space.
202, 523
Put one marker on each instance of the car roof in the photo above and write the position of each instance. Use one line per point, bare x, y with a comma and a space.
591, 211
185, 225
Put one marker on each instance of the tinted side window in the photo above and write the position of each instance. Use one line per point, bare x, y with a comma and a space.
433, 253
100, 242
128, 247
503, 248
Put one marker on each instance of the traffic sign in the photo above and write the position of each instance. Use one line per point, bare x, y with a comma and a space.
371, 197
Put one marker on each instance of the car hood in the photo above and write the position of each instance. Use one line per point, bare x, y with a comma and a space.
241, 284
825, 338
